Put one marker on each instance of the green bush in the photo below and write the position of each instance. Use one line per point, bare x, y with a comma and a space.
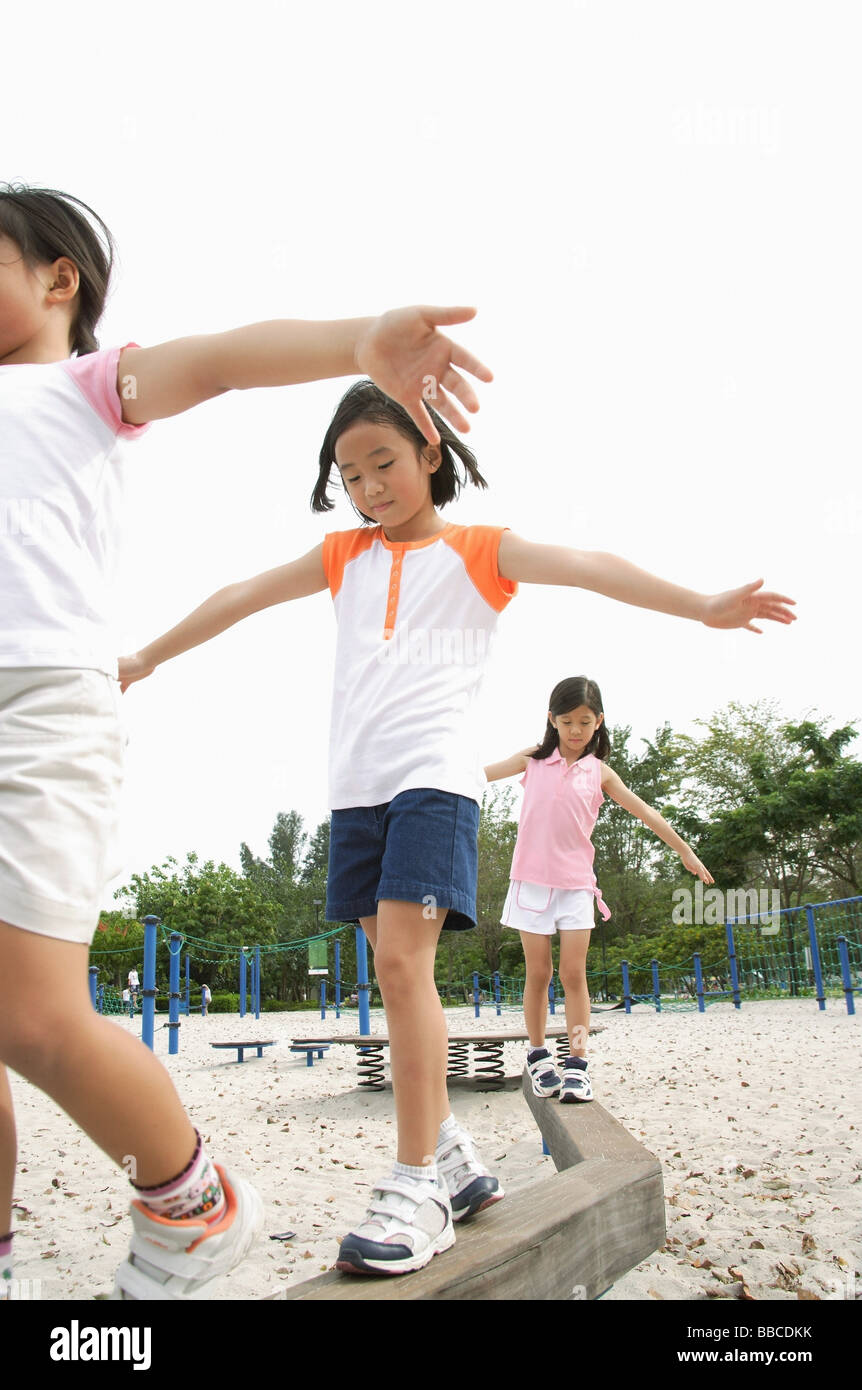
224, 1004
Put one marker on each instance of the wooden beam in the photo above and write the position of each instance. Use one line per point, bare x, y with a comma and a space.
567, 1236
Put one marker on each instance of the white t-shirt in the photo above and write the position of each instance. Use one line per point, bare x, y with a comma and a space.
415, 620
61, 484
133, 979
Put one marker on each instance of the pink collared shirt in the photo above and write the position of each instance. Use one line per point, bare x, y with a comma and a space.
561, 803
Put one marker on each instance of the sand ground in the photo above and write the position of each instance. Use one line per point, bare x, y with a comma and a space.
755, 1116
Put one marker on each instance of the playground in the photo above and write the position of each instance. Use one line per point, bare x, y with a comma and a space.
754, 1116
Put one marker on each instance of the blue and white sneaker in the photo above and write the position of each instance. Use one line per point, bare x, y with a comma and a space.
470, 1186
576, 1082
407, 1223
545, 1078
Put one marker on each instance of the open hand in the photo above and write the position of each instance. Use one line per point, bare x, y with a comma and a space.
694, 866
407, 357
738, 607
133, 668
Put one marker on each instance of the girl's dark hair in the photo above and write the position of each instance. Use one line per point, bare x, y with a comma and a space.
365, 401
46, 224
571, 694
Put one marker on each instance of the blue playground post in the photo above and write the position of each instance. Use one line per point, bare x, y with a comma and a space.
497, 991
322, 998
476, 992
698, 980
94, 997
545, 1149
362, 986
101, 996
552, 997
243, 966
734, 972
815, 958
626, 991
338, 979
656, 992
148, 1009
176, 944
257, 981
188, 1003
845, 975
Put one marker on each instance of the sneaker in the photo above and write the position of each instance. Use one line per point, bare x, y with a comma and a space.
470, 1186
544, 1076
406, 1225
177, 1259
576, 1085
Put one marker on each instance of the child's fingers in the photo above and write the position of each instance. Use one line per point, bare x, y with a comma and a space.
422, 420
462, 358
437, 314
445, 406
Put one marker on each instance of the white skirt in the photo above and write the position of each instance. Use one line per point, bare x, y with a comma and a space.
61, 770
535, 908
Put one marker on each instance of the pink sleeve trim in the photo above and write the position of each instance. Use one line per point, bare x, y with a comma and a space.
95, 376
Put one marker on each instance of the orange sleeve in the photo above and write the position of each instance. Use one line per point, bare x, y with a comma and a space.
339, 547
478, 547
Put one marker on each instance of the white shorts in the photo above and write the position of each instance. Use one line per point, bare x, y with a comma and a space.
535, 908
61, 771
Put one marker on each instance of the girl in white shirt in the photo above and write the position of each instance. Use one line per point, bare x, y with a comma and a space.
61, 420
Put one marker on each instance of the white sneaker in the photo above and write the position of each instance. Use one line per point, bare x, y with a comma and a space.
470, 1186
177, 1259
406, 1225
576, 1085
545, 1078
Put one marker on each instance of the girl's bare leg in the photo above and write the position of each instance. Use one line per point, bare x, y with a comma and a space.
405, 945
8, 1153
573, 977
105, 1080
537, 954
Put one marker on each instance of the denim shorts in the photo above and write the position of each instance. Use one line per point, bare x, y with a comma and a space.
420, 847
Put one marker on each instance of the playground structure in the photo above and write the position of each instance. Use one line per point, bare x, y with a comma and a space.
569, 1236
813, 951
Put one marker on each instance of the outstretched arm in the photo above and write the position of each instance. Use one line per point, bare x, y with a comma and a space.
614, 786
402, 351
511, 767
298, 579
529, 563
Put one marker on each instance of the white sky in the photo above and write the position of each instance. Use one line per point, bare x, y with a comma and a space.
655, 208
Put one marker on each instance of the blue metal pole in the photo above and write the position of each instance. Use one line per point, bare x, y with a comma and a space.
497, 990
94, 997
243, 967
101, 999
338, 979
476, 993
734, 972
188, 985
552, 997
148, 1011
845, 975
174, 998
322, 998
362, 985
257, 981
815, 958
656, 992
626, 991
698, 977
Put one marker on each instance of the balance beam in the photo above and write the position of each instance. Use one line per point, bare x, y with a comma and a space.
566, 1237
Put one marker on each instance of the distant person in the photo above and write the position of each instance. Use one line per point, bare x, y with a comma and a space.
206, 1000
553, 887
134, 986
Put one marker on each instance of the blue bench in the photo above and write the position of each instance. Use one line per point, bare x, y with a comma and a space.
309, 1048
241, 1046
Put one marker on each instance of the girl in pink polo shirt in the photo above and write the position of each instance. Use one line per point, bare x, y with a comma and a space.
553, 886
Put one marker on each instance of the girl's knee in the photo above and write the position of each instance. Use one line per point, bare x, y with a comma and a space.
573, 979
